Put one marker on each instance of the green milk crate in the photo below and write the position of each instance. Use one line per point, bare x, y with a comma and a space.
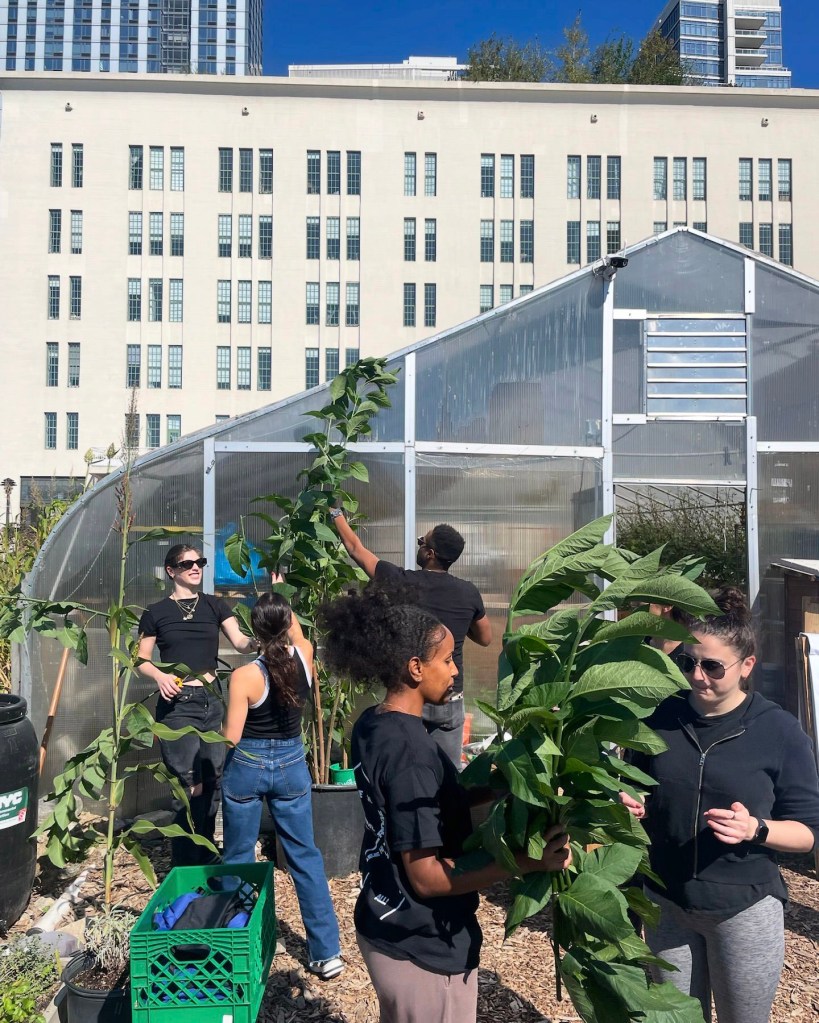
203, 976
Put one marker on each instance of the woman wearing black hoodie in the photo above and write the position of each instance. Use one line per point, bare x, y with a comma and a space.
737, 784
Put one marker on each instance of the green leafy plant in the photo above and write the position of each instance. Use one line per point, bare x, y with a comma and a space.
108, 938
302, 544
572, 688
29, 970
18, 1003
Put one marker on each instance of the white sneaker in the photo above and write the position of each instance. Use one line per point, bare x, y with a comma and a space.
326, 969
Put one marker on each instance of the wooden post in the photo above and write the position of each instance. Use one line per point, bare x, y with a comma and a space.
52, 709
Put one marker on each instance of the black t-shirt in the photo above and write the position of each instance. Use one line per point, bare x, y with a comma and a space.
455, 602
411, 800
195, 643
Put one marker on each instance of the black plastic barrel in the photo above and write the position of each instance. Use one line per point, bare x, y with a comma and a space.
18, 808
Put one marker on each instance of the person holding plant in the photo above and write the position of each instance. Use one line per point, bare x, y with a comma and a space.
267, 763
415, 916
737, 784
185, 626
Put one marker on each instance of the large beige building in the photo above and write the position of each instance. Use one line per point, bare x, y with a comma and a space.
218, 244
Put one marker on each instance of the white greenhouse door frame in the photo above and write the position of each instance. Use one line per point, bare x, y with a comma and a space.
752, 509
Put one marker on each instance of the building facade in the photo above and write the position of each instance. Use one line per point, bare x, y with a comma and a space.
216, 37
231, 243
413, 69
729, 42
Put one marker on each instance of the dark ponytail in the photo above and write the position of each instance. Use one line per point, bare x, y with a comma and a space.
734, 626
270, 619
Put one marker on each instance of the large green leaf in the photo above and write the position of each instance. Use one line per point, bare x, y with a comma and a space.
624, 678
494, 838
642, 623
677, 590
630, 734
526, 777
529, 896
595, 906
615, 863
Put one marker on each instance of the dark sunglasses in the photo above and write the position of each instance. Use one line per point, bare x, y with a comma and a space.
188, 563
710, 667
422, 542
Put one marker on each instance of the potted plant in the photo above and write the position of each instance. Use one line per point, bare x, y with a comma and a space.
572, 688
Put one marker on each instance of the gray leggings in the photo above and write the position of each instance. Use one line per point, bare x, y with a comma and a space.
738, 958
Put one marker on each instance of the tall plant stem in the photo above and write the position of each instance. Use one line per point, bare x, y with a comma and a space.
331, 721
321, 752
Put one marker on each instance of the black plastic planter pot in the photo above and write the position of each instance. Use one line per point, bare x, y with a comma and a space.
84, 1005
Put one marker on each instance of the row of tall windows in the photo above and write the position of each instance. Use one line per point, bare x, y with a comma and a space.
333, 172
243, 363
312, 363
152, 376
662, 225
506, 236
55, 231
764, 180
332, 232
156, 234
244, 236
156, 178
683, 187
784, 233
332, 304
498, 176
486, 296
72, 430
244, 301
593, 239
411, 174
430, 305
430, 240
53, 364
240, 176
54, 297
153, 424
77, 165
155, 300
594, 173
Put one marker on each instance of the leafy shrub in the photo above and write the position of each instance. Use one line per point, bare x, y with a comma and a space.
29, 969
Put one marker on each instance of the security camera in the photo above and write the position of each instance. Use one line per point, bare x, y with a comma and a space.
608, 267
617, 262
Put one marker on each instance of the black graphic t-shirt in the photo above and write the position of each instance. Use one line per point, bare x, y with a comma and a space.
412, 800
194, 643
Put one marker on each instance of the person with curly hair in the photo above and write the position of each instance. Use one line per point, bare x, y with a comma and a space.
415, 916
736, 785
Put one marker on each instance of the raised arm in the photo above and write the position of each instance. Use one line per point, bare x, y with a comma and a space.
240, 642
355, 548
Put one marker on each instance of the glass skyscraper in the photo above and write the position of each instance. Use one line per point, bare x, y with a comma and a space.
136, 36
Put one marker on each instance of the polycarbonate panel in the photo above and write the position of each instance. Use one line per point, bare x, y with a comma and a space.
680, 451
629, 366
509, 510
682, 273
785, 357
530, 374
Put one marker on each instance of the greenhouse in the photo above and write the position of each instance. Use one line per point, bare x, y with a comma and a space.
690, 368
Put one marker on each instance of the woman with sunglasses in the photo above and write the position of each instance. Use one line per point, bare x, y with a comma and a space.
737, 785
185, 626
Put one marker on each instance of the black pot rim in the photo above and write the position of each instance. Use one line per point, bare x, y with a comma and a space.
12, 708
80, 962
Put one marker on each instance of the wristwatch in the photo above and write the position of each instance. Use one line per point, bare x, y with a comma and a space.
760, 836
335, 512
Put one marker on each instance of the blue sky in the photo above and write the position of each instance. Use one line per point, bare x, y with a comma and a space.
388, 31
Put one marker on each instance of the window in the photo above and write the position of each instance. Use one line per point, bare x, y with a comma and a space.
430, 240
135, 233
73, 364
313, 171
51, 430
225, 170
177, 234
592, 240
156, 176
175, 291
175, 366
353, 172
613, 177
55, 223
224, 247
265, 237
155, 300
660, 177
486, 298
699, 178
487, 241
430, 304
700, 225
264, 298
76, 165
56, 164
612, 236
243, 369
152, 420
245, 170
592, 177
660, 226
133, 366
350, 356
76, 232
313, 228
75, 293
265, 171
223, 301
409, 173
332, 302
177, 169
222, 368
353, 308
527, 177
746, 177
263, 369
680, 177
311, 367
783, 173
135, 168
154, 380
766, 239
52, 364
430, 173
487, 175
746, 234
409, 305
505, 294
244, 301
526, 289
333, 172
353, 238
174, 428
333, 238
312, 302
764, 173
507, 241
527, 241
53, 297
507, 176
573, 241
572, 177
155, 233
132, 429
330, 363
786, 244
409, 239
245, 236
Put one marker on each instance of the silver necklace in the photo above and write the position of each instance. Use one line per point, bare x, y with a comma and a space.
186, 606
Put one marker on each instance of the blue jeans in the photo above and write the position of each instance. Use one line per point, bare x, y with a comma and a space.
276, 771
